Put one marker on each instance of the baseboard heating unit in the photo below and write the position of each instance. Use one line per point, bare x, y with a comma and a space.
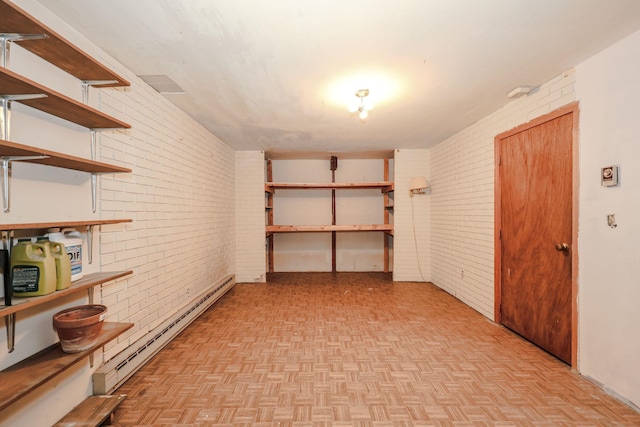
117, 370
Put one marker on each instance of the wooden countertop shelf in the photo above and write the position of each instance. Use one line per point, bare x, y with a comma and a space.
384, 186
87, 281
11, 149
56, 103
55, 48
24, 377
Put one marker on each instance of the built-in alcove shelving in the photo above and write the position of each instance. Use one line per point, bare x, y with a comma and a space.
270, 188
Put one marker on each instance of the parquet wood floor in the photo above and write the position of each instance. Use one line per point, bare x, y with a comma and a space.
356, 349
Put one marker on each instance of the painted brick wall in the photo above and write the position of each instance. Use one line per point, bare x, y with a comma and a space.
181, 197
411, 218
250, 217
462, 197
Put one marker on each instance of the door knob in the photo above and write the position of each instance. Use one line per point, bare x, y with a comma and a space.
562, 247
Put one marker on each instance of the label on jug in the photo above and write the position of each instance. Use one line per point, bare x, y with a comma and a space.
25, 278
75, 255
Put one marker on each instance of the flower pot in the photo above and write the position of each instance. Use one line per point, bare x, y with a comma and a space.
78, 327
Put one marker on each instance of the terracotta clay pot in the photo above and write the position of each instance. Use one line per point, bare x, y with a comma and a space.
78, 327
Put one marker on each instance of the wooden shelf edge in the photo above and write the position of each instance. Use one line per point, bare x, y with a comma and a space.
88, 281
61, 224
385, 186
61, 160
55, 103
55, 48
22, 378
270, 229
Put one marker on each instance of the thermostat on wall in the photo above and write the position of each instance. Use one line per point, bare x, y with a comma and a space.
609, 176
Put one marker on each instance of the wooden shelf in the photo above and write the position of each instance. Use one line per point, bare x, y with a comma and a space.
384, 186
87, 281
270, 229
11, 149
54, 49
60, 224
56, 103
24, 377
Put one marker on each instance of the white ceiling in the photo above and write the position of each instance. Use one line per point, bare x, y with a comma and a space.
261, 75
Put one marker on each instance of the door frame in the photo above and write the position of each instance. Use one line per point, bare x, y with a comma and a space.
498, 140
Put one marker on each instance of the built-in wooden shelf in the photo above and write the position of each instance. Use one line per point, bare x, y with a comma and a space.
384, 186
56, 103
13, 149
270, 229
61, 224
27, 375
55, 48
86, 282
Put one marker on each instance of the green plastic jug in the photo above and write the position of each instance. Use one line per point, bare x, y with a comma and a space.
33, 270
63, 263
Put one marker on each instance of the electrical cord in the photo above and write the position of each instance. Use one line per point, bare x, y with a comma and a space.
415, 239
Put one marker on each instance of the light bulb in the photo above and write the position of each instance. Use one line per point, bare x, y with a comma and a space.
363, 113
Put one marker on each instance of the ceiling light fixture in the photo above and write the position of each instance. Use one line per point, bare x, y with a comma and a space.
362, 110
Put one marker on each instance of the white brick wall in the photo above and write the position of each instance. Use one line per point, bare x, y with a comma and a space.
250, 217
181, 197
462, 198
411, 218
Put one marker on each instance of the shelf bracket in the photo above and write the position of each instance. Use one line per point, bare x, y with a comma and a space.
5, 105
10, 323
90, 247
94, 153
87, 83
6, 38
5, 163
94, 191
10, 319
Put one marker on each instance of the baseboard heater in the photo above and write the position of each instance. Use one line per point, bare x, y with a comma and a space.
116, 371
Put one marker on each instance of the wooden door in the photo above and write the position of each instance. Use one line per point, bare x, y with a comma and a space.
535, 184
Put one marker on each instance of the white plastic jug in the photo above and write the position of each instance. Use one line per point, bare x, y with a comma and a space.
73, 242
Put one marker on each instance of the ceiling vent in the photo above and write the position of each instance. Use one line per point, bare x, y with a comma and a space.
163, 84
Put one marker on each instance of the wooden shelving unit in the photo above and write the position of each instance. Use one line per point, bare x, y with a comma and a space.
52, 158
270, 189
56, 103
29, 374
55, 48
17, 26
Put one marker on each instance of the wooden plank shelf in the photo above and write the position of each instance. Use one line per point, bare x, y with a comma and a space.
86, 282
61, 224
55, 48
22, 378
13, 149
270, 229
92, 412
56, 103
384, 186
